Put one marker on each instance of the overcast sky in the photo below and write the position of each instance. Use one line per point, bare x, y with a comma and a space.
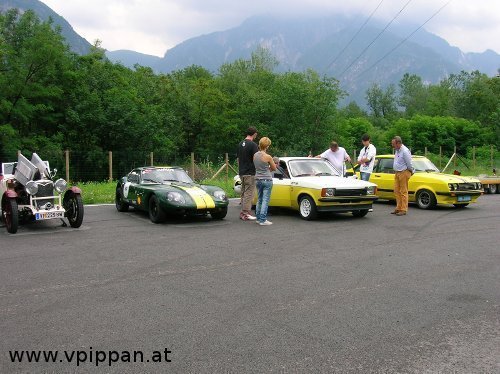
153, 26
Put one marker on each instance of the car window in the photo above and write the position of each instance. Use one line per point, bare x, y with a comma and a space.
8, 168
385, 165
133, 177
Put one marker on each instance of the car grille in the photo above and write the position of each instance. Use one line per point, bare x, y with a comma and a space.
44, 189
466, 186
351, 192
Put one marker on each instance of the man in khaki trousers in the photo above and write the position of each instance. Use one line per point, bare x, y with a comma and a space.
404, 170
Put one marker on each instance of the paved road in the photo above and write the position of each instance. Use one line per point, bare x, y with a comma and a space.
419, 293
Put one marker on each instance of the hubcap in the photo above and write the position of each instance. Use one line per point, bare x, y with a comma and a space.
305, 207
425, 199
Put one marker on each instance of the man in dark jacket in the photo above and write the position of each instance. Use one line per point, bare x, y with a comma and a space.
246, 149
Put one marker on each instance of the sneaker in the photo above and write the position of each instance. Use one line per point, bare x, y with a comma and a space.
265, 223
251, 218
243, 217
370, 210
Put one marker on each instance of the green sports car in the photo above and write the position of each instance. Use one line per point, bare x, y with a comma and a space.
163, 191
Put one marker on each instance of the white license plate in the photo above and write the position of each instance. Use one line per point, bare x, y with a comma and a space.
48, 215
463, 198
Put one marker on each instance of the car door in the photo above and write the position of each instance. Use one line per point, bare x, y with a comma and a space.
383, 176
280, 194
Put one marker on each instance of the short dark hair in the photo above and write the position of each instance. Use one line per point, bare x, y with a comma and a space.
251, 131
365, 137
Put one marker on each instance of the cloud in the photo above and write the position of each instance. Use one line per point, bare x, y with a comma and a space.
153, 26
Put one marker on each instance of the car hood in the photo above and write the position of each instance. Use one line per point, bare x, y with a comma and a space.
447, 178
332, 182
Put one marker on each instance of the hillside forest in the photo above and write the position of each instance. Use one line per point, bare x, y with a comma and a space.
52, 99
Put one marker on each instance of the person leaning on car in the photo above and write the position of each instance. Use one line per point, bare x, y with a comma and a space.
366, 158
246, 170
404, 170
337, 156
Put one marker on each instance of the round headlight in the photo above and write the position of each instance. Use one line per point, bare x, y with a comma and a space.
175, 197
451, 186
371, 190
60, 185
221, 195
32, 187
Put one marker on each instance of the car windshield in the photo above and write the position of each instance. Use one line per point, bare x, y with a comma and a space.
424, 164
311, 167
165, 175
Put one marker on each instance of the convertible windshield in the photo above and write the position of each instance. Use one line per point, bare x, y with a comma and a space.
165, 175
311, 167
423, 164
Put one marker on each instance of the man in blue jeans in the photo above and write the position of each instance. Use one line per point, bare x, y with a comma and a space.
366, 158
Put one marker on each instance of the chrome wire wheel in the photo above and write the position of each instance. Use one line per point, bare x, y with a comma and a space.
305, 207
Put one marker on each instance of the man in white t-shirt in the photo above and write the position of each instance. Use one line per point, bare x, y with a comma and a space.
366, 158
337, 156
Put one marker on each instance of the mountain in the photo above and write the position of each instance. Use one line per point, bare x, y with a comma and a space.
320, 44
130, 58
76, 42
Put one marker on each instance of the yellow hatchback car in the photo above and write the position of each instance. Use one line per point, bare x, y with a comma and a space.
427, 187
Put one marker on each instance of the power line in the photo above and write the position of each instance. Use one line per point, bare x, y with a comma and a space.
373, 41
405, 39
356, 34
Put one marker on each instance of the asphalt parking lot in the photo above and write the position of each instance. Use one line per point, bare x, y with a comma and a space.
418, 293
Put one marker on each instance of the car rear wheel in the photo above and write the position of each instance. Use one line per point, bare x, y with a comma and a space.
120, 203
426, 199
220, 214
11, 215
493, 188
156, 214
73, 205
360, 213
460, 206
307, 208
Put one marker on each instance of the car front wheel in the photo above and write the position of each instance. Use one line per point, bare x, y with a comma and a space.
120, 203
360, 213
73, 205
156, 214
220, 214
307, 208
426, 199
11, 215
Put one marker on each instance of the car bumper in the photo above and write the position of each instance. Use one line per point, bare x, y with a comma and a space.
457, 197
348, 199
344, 208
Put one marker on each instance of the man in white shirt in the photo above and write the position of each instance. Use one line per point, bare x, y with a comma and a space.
337, 156
366, 158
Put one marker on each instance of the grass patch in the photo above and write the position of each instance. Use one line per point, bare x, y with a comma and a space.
98, 192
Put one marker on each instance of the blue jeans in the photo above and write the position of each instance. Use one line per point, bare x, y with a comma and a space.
264, 187
365, 176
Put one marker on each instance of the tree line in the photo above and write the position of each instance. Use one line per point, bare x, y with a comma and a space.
52, 99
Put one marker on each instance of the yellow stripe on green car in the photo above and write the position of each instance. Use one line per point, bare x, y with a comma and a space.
200, 197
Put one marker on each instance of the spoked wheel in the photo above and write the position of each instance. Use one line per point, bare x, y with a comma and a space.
493, 188
73, 204
11, 215
307, 208
426, 199
156, 214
